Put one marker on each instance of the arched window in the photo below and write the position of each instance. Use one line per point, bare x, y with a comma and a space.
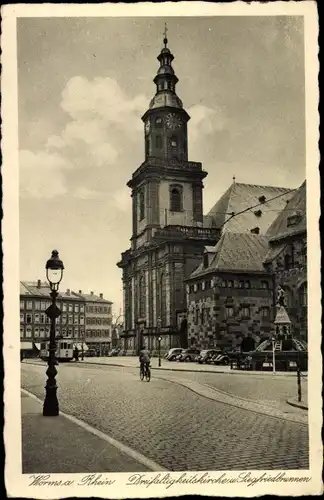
173, 142
141, 205
302, 292
176, 199
142, 297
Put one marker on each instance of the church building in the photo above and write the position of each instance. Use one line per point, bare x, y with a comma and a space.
168, 236
190, 278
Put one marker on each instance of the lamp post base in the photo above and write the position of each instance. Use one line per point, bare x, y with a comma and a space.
51, 405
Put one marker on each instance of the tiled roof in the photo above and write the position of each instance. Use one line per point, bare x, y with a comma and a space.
91, 297
237, 252
240, 196
32, 288
296, 205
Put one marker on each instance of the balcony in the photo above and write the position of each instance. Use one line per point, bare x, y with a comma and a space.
206, 234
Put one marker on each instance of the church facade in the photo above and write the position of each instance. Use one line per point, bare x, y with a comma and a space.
168, 233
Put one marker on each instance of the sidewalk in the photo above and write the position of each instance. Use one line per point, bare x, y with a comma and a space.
60, 445
132, 362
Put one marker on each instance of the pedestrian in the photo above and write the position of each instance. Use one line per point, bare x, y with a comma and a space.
76, 353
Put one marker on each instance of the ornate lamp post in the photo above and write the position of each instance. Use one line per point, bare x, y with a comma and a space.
159, 341
158, 326
273, 354
54, 274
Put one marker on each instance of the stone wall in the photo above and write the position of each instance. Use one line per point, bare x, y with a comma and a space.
222, 315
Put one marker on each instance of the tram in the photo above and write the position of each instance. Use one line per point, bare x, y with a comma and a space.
64, 350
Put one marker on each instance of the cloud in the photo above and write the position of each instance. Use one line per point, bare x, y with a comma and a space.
121, 199
101, 120
205, 121
42, 174
86, 194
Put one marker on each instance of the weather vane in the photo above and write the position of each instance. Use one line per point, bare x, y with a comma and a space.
165, 33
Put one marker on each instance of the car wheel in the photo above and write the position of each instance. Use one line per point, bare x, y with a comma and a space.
171, 358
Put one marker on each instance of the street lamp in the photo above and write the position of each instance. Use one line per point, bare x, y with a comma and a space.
82, 348
158, 327
273, 354
54, 274
159, 341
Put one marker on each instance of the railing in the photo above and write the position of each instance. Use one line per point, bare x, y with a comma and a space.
189, 232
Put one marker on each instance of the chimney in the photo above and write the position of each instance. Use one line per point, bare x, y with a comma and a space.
91, 293
39, 283
68, 291
80, 292
101, 295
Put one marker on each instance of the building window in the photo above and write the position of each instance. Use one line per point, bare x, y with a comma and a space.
289, 258
29, 318
70, 308
76, 308
265, 284
303, 254
37, 305
229, 284
36, 317
247, 284
76, 319
173, 142
81, 308
303, 295
245, 311
241, 284
42, 331
36, 331
22, 304
141, 205
64, 307
265, 312
22, 318
70, 320
176, 199
197, 315
81, 320
28, 331
229, 312
43, 305
22, 332
158, 122
64, 318
29, 305
207, 284
202, 314
158, 142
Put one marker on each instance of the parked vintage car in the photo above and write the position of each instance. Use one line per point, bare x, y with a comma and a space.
188, 354
206, 355
172, 354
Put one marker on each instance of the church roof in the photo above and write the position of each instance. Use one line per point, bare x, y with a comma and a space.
166, 98
240, 196
292, 219
236, 252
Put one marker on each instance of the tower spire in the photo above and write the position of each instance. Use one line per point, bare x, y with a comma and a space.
165, 33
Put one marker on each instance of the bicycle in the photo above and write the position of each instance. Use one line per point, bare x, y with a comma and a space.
146, 372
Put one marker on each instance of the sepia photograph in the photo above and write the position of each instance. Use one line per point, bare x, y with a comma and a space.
166, 253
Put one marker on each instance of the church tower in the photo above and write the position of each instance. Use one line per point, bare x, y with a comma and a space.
168, 236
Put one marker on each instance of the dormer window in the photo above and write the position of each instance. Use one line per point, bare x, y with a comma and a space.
258, 213
255, 230
262, 199
294, 219
205, 260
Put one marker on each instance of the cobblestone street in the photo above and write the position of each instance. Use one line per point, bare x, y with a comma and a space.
174, 426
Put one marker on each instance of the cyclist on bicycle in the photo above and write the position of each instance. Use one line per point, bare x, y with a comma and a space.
144, 358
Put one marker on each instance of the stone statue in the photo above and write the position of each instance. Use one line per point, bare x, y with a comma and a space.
281, 297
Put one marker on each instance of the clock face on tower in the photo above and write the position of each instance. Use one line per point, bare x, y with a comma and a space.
173, 121
147, 126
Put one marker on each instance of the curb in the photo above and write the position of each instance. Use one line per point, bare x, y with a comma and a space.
188, 370
297, 404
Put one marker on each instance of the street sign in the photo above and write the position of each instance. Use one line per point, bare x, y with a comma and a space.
53, 311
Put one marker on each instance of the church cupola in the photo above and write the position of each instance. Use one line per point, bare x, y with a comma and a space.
165, 121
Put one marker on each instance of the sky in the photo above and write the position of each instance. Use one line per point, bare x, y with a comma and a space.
83, 85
